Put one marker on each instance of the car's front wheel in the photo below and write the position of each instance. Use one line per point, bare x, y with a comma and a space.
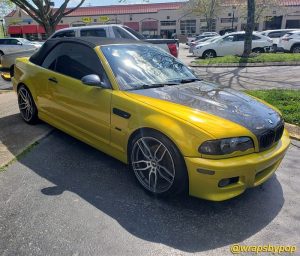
157, 164
27, 106
296, 49
209, 54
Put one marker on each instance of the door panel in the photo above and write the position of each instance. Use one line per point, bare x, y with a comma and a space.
83, 108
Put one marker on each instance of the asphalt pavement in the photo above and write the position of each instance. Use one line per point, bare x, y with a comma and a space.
66, 198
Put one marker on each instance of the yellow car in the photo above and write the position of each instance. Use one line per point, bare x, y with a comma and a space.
144, 107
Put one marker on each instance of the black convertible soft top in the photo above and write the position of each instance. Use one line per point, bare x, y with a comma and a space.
91, 42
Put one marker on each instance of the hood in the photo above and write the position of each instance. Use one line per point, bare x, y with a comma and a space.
222, 102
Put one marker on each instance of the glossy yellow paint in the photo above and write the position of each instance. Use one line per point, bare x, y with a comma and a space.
85, 112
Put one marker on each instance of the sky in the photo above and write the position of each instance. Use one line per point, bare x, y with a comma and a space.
112, 2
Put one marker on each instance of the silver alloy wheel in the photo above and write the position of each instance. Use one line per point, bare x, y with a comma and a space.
296, 49
209, 55
153, 164
25, 104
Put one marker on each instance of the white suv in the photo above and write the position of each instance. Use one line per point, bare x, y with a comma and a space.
275, 35
231, 44
290, 42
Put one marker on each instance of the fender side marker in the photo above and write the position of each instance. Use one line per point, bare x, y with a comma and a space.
121, 113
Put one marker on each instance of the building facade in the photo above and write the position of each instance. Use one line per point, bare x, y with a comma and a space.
158, 19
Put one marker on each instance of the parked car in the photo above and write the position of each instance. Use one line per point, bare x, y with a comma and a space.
231, 44
290, 42
8, 61
275, 35
12, 45
117, 31
206, 39
144, 107
199, 37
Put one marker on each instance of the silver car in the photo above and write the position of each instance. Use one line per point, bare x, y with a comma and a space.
12, 45
8, 61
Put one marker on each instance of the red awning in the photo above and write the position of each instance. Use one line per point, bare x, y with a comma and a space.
134, 25
61, 26
14, 30
40, 29
29, 29
150, 25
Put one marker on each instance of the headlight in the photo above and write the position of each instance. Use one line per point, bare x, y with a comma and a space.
198, 46
225, 146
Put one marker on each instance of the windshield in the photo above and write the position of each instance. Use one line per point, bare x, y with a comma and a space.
25, 41
138, 66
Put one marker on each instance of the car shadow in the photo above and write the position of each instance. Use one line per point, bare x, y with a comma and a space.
185, 223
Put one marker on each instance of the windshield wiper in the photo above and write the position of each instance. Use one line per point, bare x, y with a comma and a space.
149, 86
189, 80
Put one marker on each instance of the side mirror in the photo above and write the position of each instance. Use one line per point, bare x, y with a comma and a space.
93, 80
19, 43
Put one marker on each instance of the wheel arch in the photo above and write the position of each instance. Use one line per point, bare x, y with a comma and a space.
294, 45
145, 129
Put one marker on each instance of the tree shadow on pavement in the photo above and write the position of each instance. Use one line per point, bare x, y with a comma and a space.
185, 223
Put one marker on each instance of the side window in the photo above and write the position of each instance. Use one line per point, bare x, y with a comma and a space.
275, 34
100, 32
254, 37
12, 41
68, 33
67, 59
120, 33
228, 38
239, 37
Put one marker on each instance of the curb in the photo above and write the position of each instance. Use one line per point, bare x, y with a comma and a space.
22, 150
293, 130
239, 65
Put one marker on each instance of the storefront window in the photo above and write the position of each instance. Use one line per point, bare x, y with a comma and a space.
187, 27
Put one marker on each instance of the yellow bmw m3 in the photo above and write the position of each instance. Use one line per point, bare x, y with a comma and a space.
144, 107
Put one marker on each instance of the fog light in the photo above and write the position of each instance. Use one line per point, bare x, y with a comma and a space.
228, 181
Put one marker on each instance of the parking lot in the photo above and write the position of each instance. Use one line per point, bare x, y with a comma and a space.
65, 198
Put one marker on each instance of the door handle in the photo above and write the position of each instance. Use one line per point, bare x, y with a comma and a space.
53, 80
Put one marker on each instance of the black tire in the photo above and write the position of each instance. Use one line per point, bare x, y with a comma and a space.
1, 53
168, 172
258, 50
296, 48
27, 106
209, 54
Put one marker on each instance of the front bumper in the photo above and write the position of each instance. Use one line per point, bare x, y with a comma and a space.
251, 170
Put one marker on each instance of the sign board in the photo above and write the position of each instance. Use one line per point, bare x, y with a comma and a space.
15, 21
86, 19
103, 19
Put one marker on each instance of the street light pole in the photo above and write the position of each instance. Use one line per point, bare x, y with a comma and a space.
233, 8
3, 28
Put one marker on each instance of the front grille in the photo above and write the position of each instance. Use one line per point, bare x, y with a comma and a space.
267, 139
279, 132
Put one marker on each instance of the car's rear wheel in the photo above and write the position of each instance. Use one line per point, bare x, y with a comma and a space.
258, 50
296, 49
209, 54
27, 106
1, 53
157, 164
